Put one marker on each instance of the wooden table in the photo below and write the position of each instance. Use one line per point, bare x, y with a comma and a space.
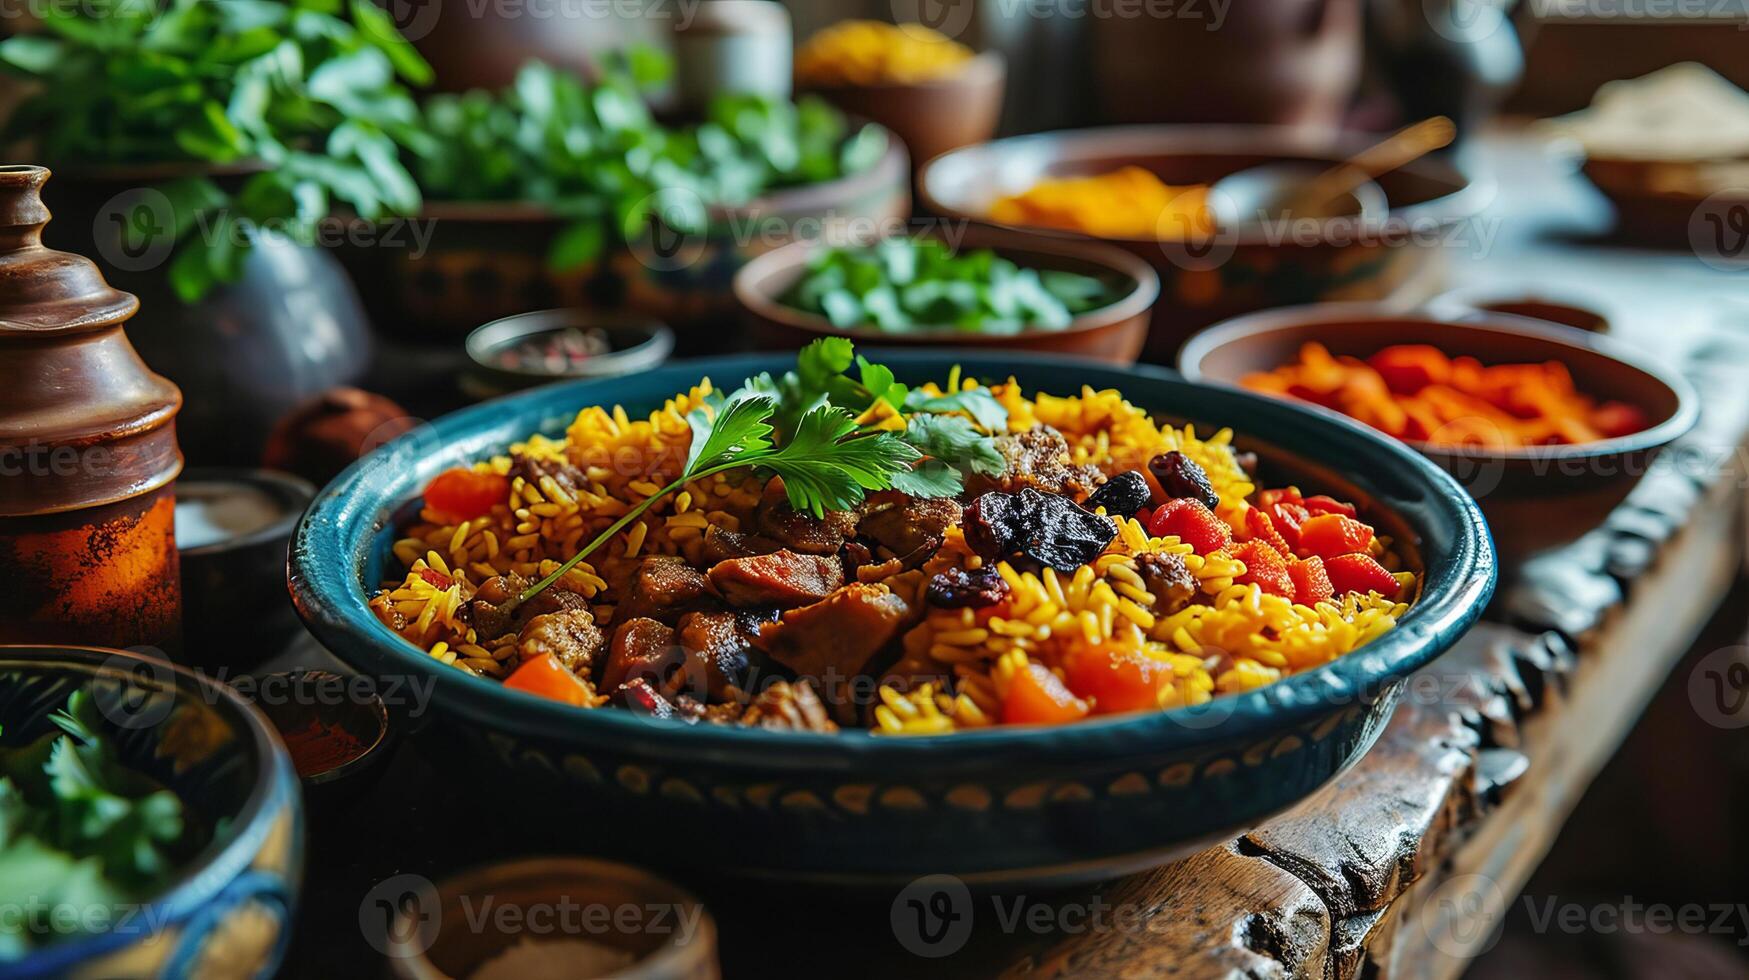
1399, 868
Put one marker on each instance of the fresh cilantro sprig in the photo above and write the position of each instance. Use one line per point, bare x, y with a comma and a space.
943, 427
803, 427
827, 463
79, 828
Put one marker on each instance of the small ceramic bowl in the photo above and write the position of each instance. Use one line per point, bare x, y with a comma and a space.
653, 929
232, 528
228, 912
1112, 333
933, 116
1528, 300
335, 727
630, 344
1535, 498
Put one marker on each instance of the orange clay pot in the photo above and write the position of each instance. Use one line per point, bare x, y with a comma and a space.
87, 450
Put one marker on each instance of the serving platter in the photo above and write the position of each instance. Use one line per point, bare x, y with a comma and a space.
1066, 803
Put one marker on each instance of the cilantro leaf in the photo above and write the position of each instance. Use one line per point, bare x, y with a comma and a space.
954, 440
826, 466
979, 403
739, 427
932, 478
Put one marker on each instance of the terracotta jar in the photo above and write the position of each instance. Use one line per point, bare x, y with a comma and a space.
87, 449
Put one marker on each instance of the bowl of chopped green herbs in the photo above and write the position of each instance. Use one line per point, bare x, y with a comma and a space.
561, 191
987, 289
150, 822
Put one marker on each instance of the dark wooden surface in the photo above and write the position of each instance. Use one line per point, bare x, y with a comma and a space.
1393, 869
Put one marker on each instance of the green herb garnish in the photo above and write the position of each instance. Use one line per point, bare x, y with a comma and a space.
309, 90
901, 284
79, 829
803, 427
593, 152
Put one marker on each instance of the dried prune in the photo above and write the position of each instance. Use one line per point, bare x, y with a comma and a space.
1181, 476
960, 588
1049, 528
1122, 495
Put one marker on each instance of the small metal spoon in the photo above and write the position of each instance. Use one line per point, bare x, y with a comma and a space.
1308, 190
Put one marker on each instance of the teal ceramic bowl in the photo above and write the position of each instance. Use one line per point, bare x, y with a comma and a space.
1007, 805
228, 912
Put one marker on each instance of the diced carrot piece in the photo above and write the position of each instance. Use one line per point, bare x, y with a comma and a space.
1115, 680
1037, 697
464, 494
546, 677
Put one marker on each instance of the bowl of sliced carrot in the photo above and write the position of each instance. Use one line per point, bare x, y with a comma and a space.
1548, 427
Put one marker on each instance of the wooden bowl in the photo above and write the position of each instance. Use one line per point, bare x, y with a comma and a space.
1112, 333
1238, 272
1536, 498
933, 116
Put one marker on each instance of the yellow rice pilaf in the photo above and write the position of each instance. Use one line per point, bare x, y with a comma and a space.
953, 668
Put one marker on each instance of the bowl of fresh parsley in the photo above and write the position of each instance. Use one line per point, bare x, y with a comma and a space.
149, 820
566, 191
976, 288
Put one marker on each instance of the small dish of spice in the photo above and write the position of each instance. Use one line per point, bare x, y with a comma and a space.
335, 726
553, 345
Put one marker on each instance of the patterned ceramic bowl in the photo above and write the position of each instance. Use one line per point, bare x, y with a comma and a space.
227, 914
1079, 801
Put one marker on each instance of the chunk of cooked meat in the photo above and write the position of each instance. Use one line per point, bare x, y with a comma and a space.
841, 633
641, 648
532, 468
801, 532
571, 635
721, 544
1170, 581
782, 578
714, 659
908, 523
783, 706
1037, 458
493, 611
662, 587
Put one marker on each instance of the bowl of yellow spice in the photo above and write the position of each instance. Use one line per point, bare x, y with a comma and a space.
934, 92
1147, 190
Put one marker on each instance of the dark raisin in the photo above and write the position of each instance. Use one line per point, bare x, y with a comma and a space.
959, 588
1180, 476
1122, 495
1047, 527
